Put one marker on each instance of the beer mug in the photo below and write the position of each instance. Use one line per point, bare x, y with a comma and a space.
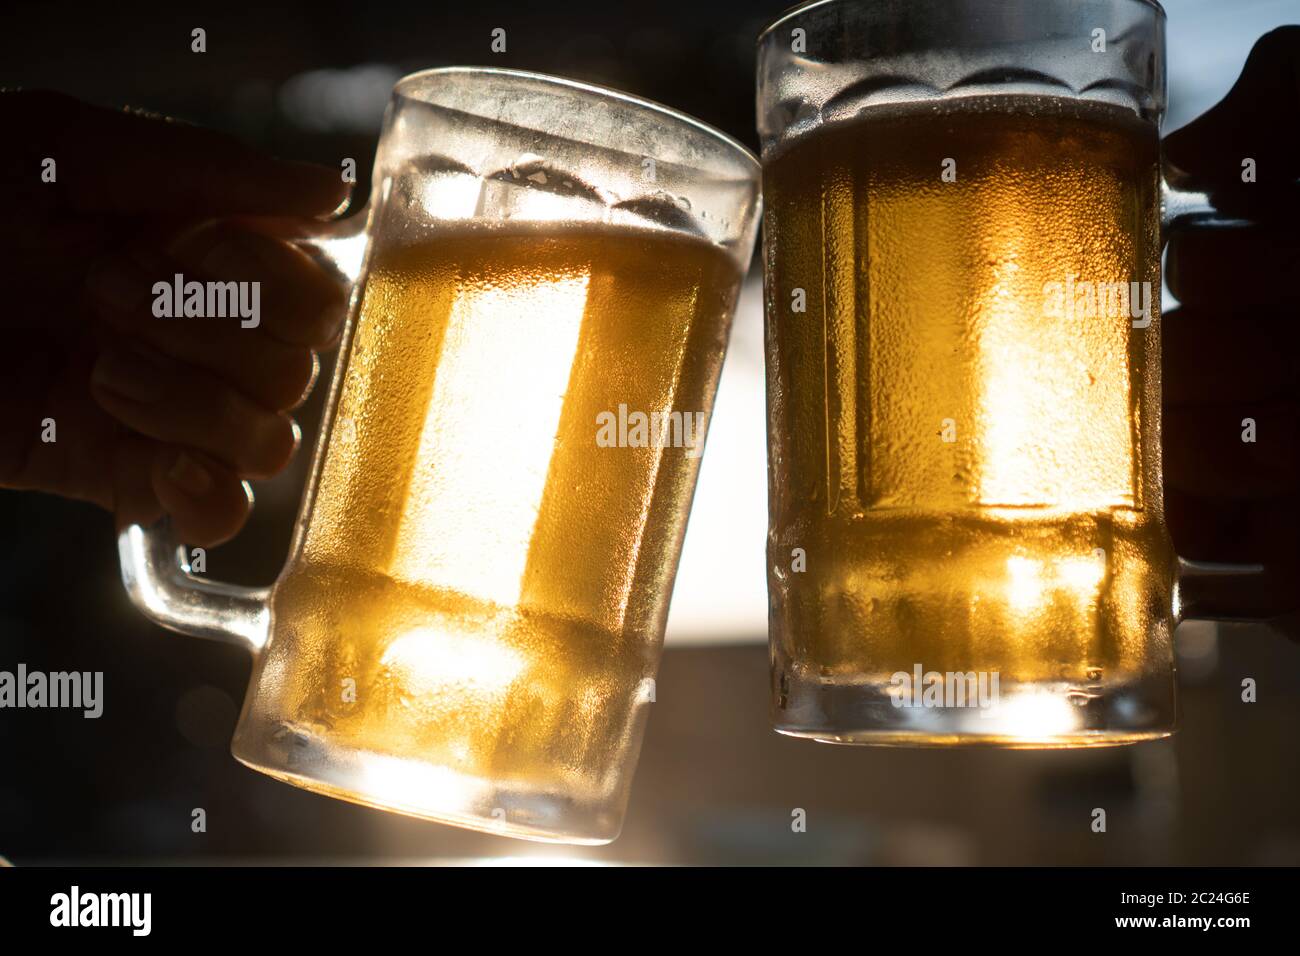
962, 245
469, 622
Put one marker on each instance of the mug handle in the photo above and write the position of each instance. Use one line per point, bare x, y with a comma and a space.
156, 571
1211, 591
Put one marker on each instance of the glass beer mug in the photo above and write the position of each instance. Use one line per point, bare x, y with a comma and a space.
469, 623
963, 206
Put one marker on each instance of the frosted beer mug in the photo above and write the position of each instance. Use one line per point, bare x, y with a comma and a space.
962, 261
469, 622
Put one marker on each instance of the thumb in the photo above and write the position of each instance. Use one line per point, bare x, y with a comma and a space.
1259, 120
122, 162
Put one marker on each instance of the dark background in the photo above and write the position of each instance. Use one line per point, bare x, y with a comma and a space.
714, 785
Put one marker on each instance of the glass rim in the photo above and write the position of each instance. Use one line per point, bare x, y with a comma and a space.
800, 8
607, 92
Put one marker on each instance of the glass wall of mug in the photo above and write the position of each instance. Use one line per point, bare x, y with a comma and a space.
962, 267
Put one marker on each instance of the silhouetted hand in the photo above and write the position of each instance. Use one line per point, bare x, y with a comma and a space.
151, 415
1232, 350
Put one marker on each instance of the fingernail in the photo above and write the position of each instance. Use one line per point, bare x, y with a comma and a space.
116, 281
130, 376
189, 476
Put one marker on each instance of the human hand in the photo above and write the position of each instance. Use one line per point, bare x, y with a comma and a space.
152, 415
1232, 348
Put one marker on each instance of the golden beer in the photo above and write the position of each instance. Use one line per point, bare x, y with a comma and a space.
964, 417
482, 585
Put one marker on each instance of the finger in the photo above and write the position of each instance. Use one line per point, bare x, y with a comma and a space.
186, 406
134, 500
1234, 451
207, 502
1212, 356
1235, 268
1255, 120
298, 301
1288, 623
1204, 528
1271, 532
272, 373
302, 303
1262, 531
127, 162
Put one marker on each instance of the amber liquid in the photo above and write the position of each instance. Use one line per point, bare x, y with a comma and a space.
481, 587
971, 474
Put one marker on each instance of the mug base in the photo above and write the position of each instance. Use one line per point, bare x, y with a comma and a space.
295, 755
1037, 715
